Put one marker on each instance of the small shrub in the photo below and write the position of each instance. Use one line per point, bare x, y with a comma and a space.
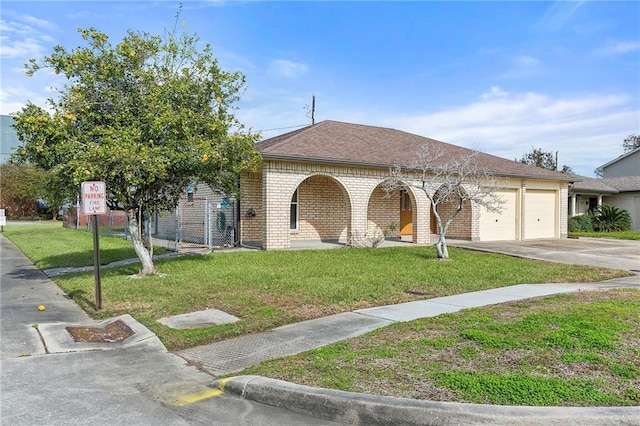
582, 223
611, 218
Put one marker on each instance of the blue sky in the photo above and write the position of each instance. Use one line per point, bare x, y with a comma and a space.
501, 77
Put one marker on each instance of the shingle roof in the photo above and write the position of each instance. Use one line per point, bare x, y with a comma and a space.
361, 145
587, 184
624, 184
606, 185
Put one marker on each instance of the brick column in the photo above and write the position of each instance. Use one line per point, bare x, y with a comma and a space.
276, 199
421, 217
359, 190
564, 207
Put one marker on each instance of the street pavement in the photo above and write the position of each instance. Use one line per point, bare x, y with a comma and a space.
138, 384
47, 378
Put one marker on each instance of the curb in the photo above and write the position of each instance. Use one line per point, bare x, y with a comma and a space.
351, 408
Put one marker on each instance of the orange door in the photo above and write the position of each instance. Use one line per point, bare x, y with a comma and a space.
406, 214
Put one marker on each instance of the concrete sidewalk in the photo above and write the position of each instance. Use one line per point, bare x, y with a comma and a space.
233, 355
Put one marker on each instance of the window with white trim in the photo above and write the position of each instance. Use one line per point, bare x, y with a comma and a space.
295, 208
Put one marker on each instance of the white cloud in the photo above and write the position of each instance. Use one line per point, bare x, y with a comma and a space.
526, 61
15, 27
231, 61
286, 68
585, 129
41, 23
558, 15
618, 48
21, 49
22, 37
522, 66
495, 92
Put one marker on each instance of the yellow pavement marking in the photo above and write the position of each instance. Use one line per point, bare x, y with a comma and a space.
205, 394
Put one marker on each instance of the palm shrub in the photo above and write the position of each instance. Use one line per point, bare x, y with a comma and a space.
611, 218
582, 223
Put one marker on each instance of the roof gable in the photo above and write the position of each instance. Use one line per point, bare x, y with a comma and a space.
361, 145
621, 157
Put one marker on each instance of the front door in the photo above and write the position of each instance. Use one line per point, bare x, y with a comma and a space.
406, 214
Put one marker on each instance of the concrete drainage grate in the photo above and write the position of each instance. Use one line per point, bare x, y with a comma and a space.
111, 333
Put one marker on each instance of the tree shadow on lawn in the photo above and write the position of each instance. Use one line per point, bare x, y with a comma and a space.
85, 258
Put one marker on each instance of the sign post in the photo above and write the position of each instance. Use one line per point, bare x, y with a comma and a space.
3, 220
94, 203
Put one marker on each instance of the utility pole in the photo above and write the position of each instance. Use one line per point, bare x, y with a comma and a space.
313, 110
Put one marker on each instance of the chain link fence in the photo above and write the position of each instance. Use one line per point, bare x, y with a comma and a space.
196, 223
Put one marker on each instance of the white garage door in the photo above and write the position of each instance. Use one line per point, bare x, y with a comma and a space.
540, 214
500, 226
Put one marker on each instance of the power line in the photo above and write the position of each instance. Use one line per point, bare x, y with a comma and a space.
283, 128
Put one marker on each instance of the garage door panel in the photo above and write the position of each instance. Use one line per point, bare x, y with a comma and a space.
500, 226
540, 214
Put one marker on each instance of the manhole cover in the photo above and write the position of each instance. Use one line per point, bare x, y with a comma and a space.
114, 332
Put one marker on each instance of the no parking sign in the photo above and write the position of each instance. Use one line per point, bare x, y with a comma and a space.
94, 198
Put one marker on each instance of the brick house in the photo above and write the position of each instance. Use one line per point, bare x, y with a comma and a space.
324, 182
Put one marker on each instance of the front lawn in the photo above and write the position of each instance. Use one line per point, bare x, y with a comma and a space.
49, 245
580, 349
621, 235
270, 289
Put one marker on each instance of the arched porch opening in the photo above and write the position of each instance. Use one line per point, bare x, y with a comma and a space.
320, 210
393, 214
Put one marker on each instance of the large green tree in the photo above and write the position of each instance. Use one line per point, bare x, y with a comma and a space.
21, 186
147, 115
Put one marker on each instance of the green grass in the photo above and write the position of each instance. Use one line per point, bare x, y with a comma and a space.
49, 245
580, 349
621, 235
267, 289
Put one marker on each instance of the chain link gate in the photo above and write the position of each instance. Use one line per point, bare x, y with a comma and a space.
203, 223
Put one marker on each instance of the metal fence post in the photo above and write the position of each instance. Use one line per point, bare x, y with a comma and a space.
208, 237
177, 227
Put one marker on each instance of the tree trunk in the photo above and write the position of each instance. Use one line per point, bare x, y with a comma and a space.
441, 244
141, 242
441, 247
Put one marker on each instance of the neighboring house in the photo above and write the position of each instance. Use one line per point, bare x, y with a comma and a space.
619, 187
627, 198
324, 182
9, 141
627, 164
586, 194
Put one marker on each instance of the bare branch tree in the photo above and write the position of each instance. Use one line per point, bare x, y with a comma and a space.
446, 179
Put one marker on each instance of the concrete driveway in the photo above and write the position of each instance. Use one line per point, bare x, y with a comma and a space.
607, 253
